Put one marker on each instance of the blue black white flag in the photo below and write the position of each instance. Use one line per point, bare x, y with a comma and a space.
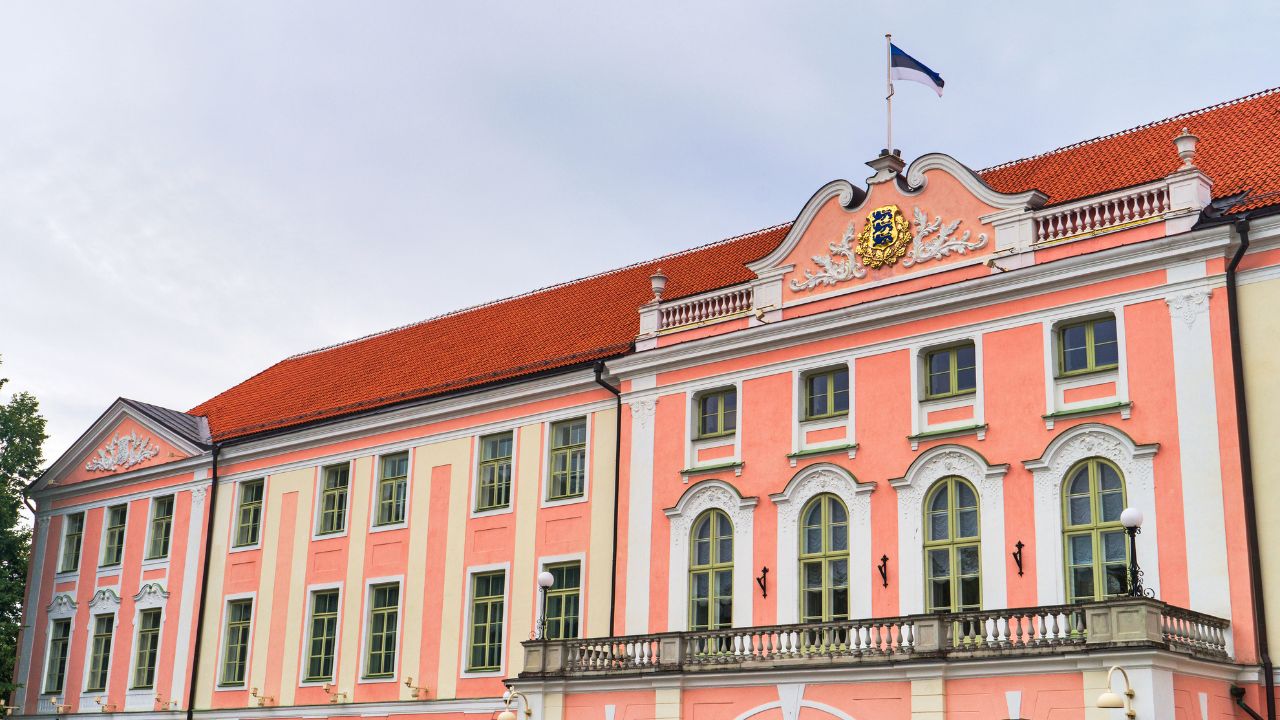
904, 67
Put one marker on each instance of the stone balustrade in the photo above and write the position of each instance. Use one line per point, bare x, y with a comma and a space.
1126, 622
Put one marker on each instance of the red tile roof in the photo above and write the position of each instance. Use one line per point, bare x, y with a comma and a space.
596, 317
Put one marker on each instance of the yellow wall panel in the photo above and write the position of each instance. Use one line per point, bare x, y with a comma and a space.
599, 571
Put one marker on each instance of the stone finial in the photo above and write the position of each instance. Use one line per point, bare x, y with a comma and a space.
658, 282
1186, 144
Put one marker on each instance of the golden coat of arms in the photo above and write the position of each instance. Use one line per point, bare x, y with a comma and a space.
884, 238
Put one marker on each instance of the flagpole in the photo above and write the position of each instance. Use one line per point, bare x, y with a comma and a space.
888, 99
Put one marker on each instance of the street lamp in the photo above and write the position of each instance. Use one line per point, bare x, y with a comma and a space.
511, 696
545, 581
1108, 699
1131, 518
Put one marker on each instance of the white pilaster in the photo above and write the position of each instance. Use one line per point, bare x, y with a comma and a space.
639, 517
186, 603
1200, 460
31, 605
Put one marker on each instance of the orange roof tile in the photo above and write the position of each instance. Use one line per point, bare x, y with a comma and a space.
596, 317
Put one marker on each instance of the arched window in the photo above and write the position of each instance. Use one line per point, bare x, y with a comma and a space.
1095, 548
711, 572
824, 560
951, 547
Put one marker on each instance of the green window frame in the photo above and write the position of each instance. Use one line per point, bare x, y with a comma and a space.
393, 489
161, 527
488, 602
1087, 346
113, 538
100, 652
334, 483
568, 459
249, 513
711, 572
235, 644
824, 560
952, 549
826, 393
564, 600
72, 539
1095, 547
146, 649
493, 490
950, 371
323, 643
717, 413
384, 621
55, 674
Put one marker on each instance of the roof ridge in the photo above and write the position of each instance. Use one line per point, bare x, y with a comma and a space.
1144, 126
535, 291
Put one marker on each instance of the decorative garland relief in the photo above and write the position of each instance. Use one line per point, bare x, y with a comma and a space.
123, 452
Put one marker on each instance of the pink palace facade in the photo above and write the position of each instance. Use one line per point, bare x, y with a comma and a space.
868, 464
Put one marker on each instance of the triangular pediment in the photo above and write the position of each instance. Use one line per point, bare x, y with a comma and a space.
937, 214
129, 436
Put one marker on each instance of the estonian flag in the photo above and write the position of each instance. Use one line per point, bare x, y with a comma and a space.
904, 67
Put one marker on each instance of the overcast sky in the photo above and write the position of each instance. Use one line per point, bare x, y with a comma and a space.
190, 192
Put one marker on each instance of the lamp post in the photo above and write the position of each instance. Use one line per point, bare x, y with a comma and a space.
545, 581
1109, 699
1131, 518
511, 696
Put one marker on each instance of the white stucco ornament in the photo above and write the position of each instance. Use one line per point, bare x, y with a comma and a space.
123, 452
940, 246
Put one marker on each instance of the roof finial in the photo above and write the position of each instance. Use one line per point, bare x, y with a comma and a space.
1186, 144
658, 282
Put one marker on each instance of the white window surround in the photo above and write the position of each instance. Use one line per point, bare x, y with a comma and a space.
546, 463
809, 482
465, 649
408, 497
703, 496
475, 472
931, 466
581, 559
149, 563
145, 698
68, 614
692, 443
218, 686
235, 516
922, 406
800, 427
61, 575
106, 601
319, 483
398, 580
102, 539
1049, 471
1055, 386
306, 634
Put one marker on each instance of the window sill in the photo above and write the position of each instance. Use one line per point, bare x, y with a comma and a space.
1086, 373
317, 537
979, 430
379, 680
389, 527
795, 457
704, 469
949, 396
245, 548
66, 576
491, 512
824, 418
564, 501
156, 563
1124, 408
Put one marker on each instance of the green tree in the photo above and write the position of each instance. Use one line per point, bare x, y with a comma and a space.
22, 433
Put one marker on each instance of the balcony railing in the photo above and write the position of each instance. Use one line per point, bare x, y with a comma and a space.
1126, 623
705, 308
1135, 206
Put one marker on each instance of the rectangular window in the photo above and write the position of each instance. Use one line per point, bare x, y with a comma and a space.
718, 413
100, 652
563, 601
113, 540
333, 498
59, 643
568, 459
826, 393
495, 472
384, 618
950, 372
249, 513
71, 540
324, 636
486, 622
1088, 346
161, 527
235, 648
393, 488
147, 649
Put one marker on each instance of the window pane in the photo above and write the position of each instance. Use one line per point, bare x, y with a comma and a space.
840, 381
1075, 359
965, 356
1081, 514
966, 379
1104, 331
965, 497
813, 540
940, 363
1113, 547
939, 563
940, 498
968, 560
1082, 583
1112, 506
968, 520
1117, 579
940, 384
938, 526
1081, 550
818, 395
839, 537
1106, 354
